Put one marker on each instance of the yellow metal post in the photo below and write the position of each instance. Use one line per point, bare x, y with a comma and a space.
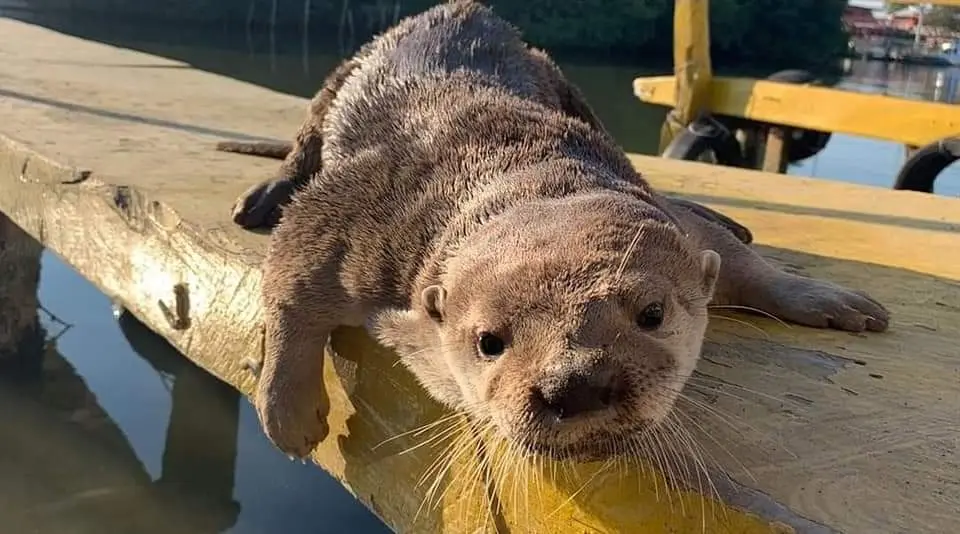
691, 64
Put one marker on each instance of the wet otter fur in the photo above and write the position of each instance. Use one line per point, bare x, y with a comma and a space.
280, 150
453, 193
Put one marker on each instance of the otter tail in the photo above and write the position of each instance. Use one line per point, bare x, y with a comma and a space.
265, 149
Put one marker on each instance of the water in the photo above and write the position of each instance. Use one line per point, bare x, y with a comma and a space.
121, 434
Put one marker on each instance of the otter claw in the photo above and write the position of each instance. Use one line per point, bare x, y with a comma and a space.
823, 304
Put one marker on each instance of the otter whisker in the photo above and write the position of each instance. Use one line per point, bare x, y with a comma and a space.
689, 302
749, 308
410, 355
418, 430
504, 459
621, 460
716, 442
698, 451
440, 436
741, 322
477, 471
516, 458
680, 465
525, 468
686, 463
628, 253
710, 389
716, 386
538, 474
473, 441
606, 465
731, 421
455, 451
670, 477
692, 447
441, 456
658, 458
698, 376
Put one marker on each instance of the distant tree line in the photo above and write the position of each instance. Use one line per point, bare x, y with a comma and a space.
775, 33
780, 33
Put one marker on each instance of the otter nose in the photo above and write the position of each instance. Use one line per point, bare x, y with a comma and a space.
578, 395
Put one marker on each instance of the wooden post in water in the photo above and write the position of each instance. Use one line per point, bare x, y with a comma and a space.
691, 66
20, 329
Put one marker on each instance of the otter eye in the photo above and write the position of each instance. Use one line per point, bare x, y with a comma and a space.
490, 345
651, 317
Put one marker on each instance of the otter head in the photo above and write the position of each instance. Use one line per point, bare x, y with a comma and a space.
569, 325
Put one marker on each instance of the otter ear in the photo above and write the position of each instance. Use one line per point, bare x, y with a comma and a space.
709, 270
433, 298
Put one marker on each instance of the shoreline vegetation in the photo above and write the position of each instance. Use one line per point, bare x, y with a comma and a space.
745, 34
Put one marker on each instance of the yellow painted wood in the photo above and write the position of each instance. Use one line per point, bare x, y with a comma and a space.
856, 432
932, 2
691, 65
818, 108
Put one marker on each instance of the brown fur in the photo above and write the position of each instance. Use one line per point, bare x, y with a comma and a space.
461, 185
280, 150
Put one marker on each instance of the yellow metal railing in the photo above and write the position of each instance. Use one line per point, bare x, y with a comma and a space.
693, 90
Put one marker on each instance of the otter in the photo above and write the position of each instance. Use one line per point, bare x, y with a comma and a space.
453, 193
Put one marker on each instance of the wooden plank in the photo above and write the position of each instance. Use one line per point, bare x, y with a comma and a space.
691, 66
817, 108
855, 433
775, 151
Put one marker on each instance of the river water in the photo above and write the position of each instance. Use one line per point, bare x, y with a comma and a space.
121, 434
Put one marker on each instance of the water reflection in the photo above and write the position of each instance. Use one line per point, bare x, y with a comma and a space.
873, 161
107, 428
917, 82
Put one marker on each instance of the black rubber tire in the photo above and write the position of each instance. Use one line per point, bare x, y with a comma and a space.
920, 171
703, 135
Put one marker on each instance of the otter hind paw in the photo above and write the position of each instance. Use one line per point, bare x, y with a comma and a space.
260, 205
823, 304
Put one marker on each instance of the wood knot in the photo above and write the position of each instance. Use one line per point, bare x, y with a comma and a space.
179, 317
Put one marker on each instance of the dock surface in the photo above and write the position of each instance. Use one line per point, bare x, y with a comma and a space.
106, 157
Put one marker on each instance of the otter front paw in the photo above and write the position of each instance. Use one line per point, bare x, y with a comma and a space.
260, 205
294, 419
823, 304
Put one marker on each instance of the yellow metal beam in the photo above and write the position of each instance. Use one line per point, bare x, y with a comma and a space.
691, 64
954, 3
817, 108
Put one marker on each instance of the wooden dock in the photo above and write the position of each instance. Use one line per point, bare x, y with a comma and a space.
106, 157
